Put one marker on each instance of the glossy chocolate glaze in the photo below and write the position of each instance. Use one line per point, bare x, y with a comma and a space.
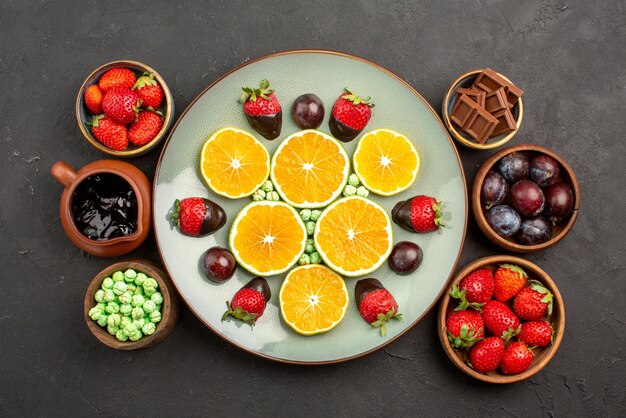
104, 206
342, 132
401, 215
260, 285
365, 286
268, 126
214, 218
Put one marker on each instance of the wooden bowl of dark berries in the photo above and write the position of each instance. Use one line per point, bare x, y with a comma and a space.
502, 320
124, 108
134, 292
525, 198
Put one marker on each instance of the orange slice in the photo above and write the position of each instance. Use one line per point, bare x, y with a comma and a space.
234, 163
267, 237
313, 299
354, 236
386, 162
310, 169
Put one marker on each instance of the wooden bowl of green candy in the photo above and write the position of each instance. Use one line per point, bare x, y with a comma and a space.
131, 305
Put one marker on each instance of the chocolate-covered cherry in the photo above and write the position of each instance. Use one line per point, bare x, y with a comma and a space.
308, 111
544, 170
405, 257
559, 201
527, 198
218, 264
494, 190
504, 220
514, 166
534, 231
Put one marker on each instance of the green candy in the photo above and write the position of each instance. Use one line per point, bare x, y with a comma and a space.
157, 298
102, 321
95, 313
304, 260
139, 323
135, 336
273, 196
99, 296
362, 191
139, 291
149, 306
140, 279
119, 288
108, 295
130, 275
353, 180
268, 186
315, 258
125, 321
258, 195
101, 305
155, 317
309, 248
149, 291
112, 329
138, 300
129, 329
349, 190
118, 276
107, 283
126, 309
148, 328
112, 307
310, 227
121, 335
305, 214
137, 313
132, 287
150, 282
315, 214
114, 320
126, 298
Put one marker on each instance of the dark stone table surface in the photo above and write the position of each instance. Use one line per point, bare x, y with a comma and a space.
568, 56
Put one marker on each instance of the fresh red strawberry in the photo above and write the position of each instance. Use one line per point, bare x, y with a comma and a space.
500, 319
509, 280
262, 110
145, 128
418, 214
536, 333
117, 77
533, 302
110, 133
464, 328
249, 302
121, 104
517, 358
93, 99
349, 116
197, 216
485, 355
475, 289
149, 91
376, 305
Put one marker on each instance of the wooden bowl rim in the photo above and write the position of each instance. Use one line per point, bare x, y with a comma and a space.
479, 216
457, 135
534, 271
167, 311
168, 116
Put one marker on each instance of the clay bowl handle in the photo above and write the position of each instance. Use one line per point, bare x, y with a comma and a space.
63, 173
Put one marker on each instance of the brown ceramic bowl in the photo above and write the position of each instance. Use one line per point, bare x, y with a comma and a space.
465, 81
543, 355
169, 312
559, 230
83, 115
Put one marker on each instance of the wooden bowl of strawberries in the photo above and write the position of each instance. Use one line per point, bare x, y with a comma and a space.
124, 108
502, 320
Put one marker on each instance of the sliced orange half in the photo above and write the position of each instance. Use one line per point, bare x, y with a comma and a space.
386, 162
354, 236
234, 163
313, 299
310, 169
267, 237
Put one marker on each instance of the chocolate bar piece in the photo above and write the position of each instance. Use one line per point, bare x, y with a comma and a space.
506, 122
496, 101
481, 125
476, 95
513, 94
463, 110
490, 80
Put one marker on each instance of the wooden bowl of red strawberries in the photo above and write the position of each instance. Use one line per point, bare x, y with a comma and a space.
124, 108
502, 320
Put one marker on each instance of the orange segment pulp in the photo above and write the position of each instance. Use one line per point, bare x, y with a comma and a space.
310, 169
234, 163
313, 299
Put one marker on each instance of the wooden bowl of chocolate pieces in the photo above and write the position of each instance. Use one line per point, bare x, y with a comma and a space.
483, 109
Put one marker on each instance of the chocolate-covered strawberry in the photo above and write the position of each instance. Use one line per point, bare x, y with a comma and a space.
248, 304
418, 214
262, 110
349, 116
376, 305
197, 216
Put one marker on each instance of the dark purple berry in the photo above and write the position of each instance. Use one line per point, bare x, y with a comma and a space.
405, 257
527, 198
504, 220
559, 201
494, 190
514, 166
544, 170
218, 264
534, 231
308, 111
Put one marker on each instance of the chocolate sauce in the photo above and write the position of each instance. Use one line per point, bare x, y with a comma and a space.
104, 206
365, 286
342, 132
260, 285
268, 126
401, 215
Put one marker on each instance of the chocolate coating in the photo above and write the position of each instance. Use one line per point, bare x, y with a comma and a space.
401, 215
214, 218
267, 126
342, 132
405, 257
365, 286
260, 285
